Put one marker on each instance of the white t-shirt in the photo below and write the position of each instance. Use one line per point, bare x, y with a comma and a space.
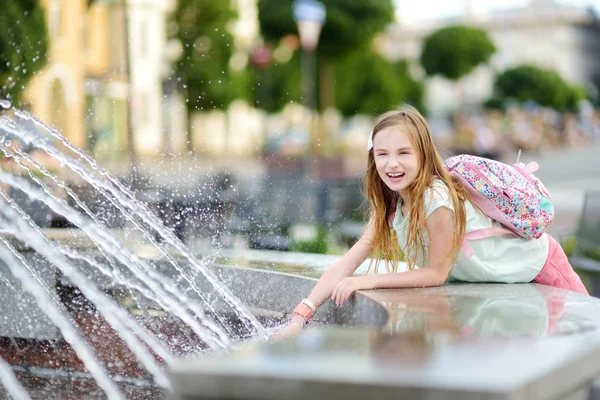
501, 258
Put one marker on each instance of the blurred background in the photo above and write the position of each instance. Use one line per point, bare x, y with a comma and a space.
244, 122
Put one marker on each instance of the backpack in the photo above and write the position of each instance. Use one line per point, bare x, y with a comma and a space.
509, 194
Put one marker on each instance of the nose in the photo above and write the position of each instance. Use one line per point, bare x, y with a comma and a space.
394, 161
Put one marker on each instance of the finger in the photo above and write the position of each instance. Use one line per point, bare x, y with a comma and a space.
340, 294
334, 292
345, 296
347, 293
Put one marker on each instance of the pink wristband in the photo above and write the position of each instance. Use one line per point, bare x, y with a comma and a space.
304, 310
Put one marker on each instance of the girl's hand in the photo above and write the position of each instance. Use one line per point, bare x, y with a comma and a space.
344, 289
293, 327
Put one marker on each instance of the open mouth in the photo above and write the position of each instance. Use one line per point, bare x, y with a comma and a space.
395, 174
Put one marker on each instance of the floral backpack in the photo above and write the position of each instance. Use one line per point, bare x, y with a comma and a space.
509, 194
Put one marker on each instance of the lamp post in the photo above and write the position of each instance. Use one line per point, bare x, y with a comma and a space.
309, 16
128, 66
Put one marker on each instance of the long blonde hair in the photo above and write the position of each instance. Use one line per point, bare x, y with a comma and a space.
383, 201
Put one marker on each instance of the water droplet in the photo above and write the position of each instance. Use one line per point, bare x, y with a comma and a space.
5, 104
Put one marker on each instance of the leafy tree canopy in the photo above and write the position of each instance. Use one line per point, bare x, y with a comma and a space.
349, 24
275, 86
455, 51
381, 87
207, 49
545, 87
23, 45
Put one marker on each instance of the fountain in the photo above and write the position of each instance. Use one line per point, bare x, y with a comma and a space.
85, 315
107, 313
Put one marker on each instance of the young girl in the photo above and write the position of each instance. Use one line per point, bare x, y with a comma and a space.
416, 206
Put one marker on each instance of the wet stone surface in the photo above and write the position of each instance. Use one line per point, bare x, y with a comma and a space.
457, 341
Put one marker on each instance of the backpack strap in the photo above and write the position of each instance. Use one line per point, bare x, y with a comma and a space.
482, 234
526, 171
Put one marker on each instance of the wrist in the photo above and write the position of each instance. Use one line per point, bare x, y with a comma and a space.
297, 319
305, 309
370, 281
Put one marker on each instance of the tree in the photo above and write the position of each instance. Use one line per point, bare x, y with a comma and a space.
23, 45
543, 86
383, 85
203, 67
350, 25
575, 93
207, 49
274, 86
455, 51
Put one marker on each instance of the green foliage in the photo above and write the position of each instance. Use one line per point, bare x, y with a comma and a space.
380, 86
575, 93
455, 51
276, 19
349, 24
495, 103
23, 45
319, 245
273, 87
545, 87
207, 48
568, 245
587, 277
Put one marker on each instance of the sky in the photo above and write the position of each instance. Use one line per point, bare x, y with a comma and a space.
420, 10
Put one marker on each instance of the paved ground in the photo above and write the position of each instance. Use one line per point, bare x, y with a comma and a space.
568, 174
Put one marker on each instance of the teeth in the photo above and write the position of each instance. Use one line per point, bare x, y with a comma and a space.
395, 175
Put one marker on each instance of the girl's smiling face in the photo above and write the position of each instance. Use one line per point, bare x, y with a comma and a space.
396, 159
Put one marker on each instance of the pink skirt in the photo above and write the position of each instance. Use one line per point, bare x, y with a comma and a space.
558, 272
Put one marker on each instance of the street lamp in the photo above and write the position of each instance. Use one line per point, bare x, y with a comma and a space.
128, 66
309, 16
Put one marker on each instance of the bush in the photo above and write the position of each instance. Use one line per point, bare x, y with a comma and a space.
586, 276
543, 86
319, 245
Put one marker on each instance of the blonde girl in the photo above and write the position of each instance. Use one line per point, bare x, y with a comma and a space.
417, 207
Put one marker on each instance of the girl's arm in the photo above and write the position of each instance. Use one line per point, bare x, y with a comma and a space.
343, 268
440, 227
339, 270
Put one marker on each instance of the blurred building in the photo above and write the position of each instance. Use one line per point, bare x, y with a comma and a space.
57, 95
543, 33
94, 48
148, 69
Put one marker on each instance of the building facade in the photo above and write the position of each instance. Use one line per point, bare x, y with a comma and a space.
148, 69
56, 95
104, 55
